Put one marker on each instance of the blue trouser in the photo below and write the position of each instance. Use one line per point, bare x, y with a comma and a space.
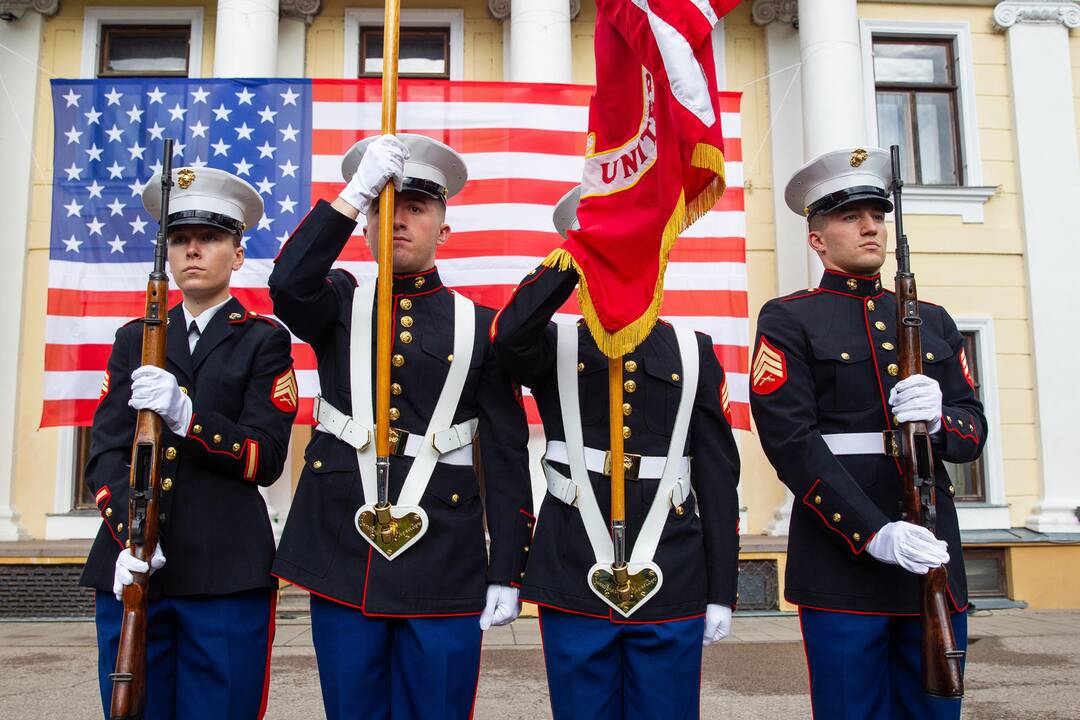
869, 666
206, 657
402, 668
602, 670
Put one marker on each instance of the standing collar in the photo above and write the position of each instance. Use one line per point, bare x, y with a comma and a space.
857, 285
419, 283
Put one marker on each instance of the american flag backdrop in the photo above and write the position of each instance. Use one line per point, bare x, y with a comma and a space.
522, 143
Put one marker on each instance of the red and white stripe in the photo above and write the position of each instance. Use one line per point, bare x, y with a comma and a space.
523, 145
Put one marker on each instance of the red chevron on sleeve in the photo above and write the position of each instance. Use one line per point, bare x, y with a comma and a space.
769, 370
966, 369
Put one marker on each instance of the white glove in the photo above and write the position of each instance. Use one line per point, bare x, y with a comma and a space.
155, 389
917, 399
126, 563
717, 624
502, 606
383, 160
910, 546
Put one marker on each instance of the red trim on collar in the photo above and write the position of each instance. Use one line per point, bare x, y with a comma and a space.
875, 276
857, 297
809, 292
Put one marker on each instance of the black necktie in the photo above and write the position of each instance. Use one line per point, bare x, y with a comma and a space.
194, 328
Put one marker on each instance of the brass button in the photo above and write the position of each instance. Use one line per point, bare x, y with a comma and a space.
119, 527
235, 316
397, 360
852, 284
629, 386
419, 282
526, 548
887, 346
952, 489
450, 357
317, 464
196, 429
893, 369
856, 537
675, 377
626, 432
406, 321
166, 484
522, 574
455, 498
895, 420
817, 499
679, 510
845, 356
929, 356
627, 408
108, 512
170, 453
580, 367
236, 447
405, 304
394, 413
836, 517
880, 325
161, 517
870, 305
948, 418
216, 439
529, 525
405, 337
395, 389
630, 366
183, 390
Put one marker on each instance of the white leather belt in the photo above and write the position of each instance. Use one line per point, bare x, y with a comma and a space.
565, 489
646, 467
868, 443
454, 444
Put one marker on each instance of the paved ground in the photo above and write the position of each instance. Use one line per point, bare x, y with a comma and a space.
1023, 663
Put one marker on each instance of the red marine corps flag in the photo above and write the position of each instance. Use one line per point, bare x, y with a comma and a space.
654, 159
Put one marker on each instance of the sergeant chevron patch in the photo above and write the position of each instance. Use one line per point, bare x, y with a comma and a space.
284, 394
769, 371
725, 400
104, 386
964, 367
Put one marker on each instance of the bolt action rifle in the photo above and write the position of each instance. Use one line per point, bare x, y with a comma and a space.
129, 679
942, 669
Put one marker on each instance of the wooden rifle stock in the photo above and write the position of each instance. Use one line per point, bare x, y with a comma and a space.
129, 680
942, 661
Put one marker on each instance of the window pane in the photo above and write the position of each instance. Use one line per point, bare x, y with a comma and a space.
894, 128
910, 64
420, 53
985, 572
134, 50
969, 478
83, 499
937, 139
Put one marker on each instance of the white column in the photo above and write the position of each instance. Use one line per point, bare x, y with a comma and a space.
294, 18
540, 41
1045, 122
834, 109
19, 57
246, 38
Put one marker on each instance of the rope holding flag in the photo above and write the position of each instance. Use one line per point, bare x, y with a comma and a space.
654, 160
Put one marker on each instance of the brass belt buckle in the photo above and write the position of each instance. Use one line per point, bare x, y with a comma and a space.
891, 443
631, 465
398, 440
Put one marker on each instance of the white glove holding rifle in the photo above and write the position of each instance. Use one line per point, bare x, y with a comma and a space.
717, 624
917, 398
502, 606
155, 389
126, 564
383, 160
910, 546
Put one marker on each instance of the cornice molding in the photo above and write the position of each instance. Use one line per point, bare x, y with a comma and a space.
305, 10
15, 9
1037, 12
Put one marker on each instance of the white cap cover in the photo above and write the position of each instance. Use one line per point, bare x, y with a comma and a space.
206, 196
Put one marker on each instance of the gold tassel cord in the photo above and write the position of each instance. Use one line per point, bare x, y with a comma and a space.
624, 340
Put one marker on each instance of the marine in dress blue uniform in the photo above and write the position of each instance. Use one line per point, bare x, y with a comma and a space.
825, 397
228, 397
400, 638
600, 663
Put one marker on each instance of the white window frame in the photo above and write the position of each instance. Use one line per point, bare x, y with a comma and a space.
95, 17
64, 522
993, 514
968, 199
355, 18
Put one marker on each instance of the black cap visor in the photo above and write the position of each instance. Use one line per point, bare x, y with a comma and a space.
850, 196
203, 217
424, 187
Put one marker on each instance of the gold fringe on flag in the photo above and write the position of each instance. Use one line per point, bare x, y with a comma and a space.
624, 340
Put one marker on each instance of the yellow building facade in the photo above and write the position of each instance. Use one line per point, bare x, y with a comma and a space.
980, 246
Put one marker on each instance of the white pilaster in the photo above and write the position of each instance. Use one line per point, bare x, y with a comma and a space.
294, 17
1045, 122
246, 38
539, 41
21, 49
